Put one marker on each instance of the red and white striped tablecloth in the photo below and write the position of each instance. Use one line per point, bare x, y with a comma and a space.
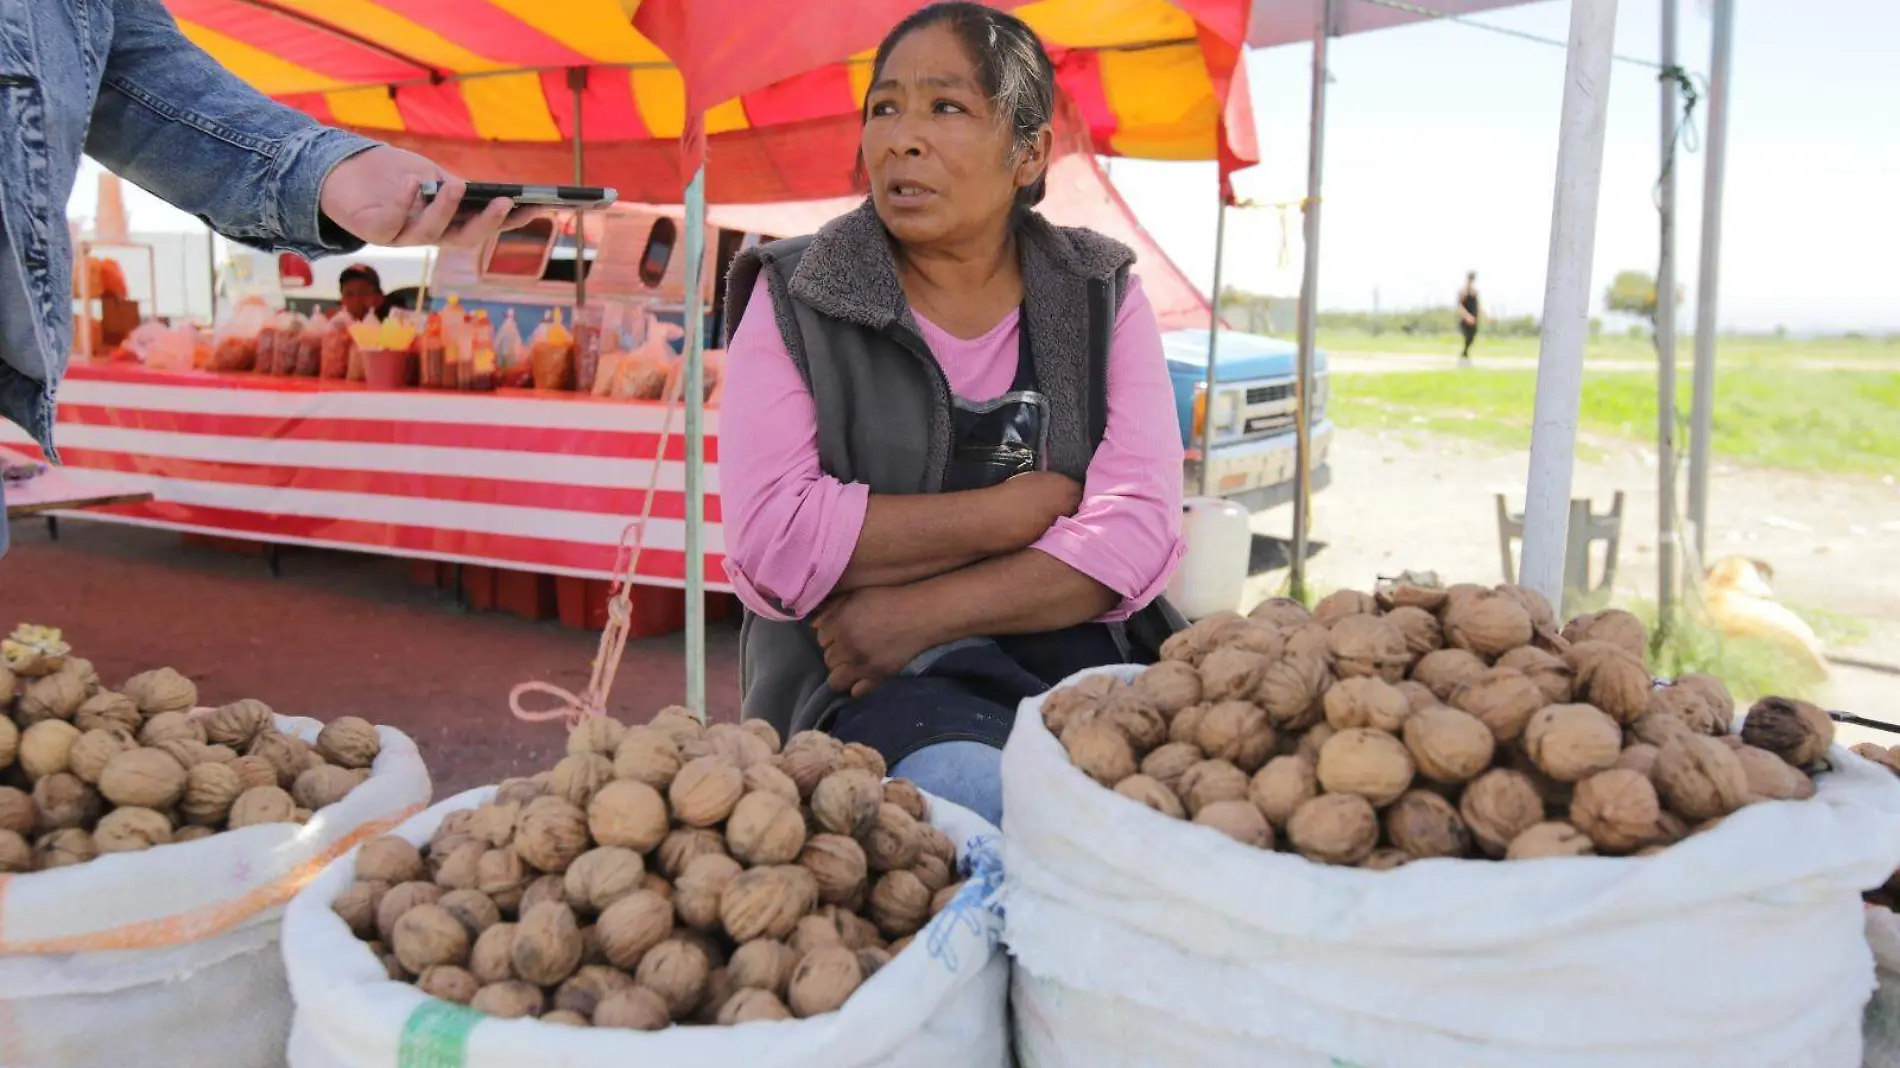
515, 479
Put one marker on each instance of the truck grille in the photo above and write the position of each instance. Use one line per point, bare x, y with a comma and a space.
1269, 394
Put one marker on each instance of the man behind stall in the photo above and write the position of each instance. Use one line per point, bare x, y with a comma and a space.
362, 290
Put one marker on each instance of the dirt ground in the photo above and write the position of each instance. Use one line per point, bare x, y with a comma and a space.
1427, 502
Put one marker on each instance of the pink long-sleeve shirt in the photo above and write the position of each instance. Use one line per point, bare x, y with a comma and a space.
791, 529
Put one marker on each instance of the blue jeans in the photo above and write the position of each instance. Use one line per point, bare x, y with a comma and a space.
961, 772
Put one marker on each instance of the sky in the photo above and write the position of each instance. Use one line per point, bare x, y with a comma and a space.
1441, 148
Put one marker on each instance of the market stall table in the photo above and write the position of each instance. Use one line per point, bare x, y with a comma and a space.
517, 479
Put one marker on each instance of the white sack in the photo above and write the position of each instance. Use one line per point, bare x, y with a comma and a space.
168, 957
939, 1004
1882, 1021
1141, 941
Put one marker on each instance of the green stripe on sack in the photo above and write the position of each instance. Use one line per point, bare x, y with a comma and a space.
436, 1035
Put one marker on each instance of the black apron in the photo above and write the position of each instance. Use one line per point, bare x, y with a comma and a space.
969, 690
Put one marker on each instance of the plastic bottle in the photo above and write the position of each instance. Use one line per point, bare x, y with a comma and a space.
434, 362
457, 346
482, 352
510, 356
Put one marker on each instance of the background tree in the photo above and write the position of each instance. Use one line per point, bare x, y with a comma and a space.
1632, 293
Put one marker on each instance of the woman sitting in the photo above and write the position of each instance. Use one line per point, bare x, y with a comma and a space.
949, 481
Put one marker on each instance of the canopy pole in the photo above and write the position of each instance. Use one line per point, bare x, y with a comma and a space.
695, 389
577, 83
1309, 309
1666, 337
1213, 347
1708, 271
1566, 324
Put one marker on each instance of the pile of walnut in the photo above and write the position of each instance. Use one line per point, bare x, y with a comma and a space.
1888, 895
661, 874
1428, 722
88, 771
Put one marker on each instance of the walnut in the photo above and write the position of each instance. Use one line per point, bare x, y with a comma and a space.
1553, 839
285, 754
1444, 670
900, 904
63, 801
106, 711
1498, 806
510, 1000
1334, 829
476, 910
679, 724
1185, 728
863, 757
1487, 624
1169, 686
632, 926
450, 983
1237, 732
254, 771
1547, 670
1449, 746
210, 791
46, 747
1238, 820
600, 877
685, 843
1426, 825
1292, 690
1417, 695
578, 776
492, 958
504, 876
839, 866
767, 902
552, 832
17, 813
398, 900
1065, 704
1795, 731
1535, 605
814, 932
163, 690
1369, 763
1313, 741
823, 981
16, 855
1701, 778
600, 735
1282, 612
1167, 764
648, 756
1366, 702
1099, 751
808, 763
319, 786
1610, 679
1419, 628
1147, 791
633, 1009
128, 829
238, 723
1618, 809
905, 795
1386, 860
547, 944
767, 829
428, 935
1280, 788
590, 985
705, 791
64, 848
697, 895
1212, 781
388, 859
356, 906
1657, 727
1368, 646
846, 801
627, 812
677, 970
263, 804
88, 756
1615, 626
349, 742
49, 697
1714, 694
1313, 640
1344, 604
1570, 743
171, 727
1410, 590
893, 841
1771, 778
144, 777
542, 889
1231, 674
1640, 757
767, 778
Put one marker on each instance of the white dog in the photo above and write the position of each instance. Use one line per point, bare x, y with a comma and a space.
1741, 605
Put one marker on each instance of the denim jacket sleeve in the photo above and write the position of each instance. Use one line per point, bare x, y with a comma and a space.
173, 121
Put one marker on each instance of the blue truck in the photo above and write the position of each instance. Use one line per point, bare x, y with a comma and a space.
1253, 415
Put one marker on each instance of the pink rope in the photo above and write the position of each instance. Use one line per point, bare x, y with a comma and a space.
613, 638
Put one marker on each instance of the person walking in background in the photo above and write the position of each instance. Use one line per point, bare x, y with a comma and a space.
1468, 315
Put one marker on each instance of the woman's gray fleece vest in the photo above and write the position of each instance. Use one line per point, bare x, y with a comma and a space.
883, 406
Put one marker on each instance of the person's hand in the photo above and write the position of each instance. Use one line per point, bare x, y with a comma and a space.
1038, 499
376, 195
870, 635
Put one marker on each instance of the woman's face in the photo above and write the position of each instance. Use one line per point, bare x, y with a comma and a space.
938, 155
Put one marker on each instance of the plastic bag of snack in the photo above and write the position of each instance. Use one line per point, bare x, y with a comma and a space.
336, 347
235, 343
588, 324
289, 335
309, 361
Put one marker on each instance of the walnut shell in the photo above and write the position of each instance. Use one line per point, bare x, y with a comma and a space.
1655, 728
905, 795
1498, 806
1366, 702
1282, 612
510, 1000
356, 906
767, 778
210, 791
1238, 820
1610, 679
863, 757
542, 889
1128, 713
17, 813
1237, 732
1169, 687
1230, 674
504, 876
349, 742
285, 754
1368, 646
697, 895
64, 848
1552, 839
547, 944
1386, 859
600, 877
1714, 693
808, 762
1343, 604
388, 859
1771, 778
590, 985
171, 727
1417, 695
677, 970
846, 801
1502, 699
1212, 781
767, 829
128, 829
1313, 740
705, 791
763, 964
630, 813
1420, 629
263, 804
1701, 778
319, 786
823, 981
398, 900
1795, 731
679, 724
1612, 625
450, 983
1369, 763
1313, 640
552, 832
649, 756
684, 844
839, 865
48, 697
492, 958
1099, 751
254, 771
1146, 791
632, 926
1167, 764
1444, 670
88, 756
105, 711
634, 1009
739, 747
1547, 670
1426, 825
1292, 689
600, 735
149, 778
63, 801
1334, 829
1570, 743
46, 747
1448, 745
162, 690
767, 902
1489, 624
900, 904
1535, 605
1689, 703
1618, 809
893, 841
428, 935
239, 723
476, 910
1280, 788
1062, 705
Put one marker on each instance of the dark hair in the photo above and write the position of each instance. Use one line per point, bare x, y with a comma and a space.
1012, 69
360, 272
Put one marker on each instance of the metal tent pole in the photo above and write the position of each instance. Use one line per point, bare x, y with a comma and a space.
1708, 271
1666, 335
1309, 308
695, 390
1566, 322
577, 83
1213, 347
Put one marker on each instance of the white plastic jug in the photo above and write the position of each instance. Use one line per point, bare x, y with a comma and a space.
1214, 567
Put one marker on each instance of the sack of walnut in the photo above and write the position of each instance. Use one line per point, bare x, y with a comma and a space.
1140, 940
168, 956
1882, 1020
938, 1004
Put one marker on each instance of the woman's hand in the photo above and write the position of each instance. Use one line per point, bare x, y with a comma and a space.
870, 635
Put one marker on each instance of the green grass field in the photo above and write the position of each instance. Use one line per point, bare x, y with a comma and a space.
1731, 351
1767, 412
